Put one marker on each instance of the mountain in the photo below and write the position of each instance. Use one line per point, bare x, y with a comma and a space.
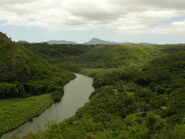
99, 41
60, 42
22, 41
93, 41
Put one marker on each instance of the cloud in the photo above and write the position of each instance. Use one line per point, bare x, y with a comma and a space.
123, 15
173, 4
13, 1
173, 28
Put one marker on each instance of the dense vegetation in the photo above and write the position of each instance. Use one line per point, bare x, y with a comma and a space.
58, 53
23, 73
139, 94
94, 58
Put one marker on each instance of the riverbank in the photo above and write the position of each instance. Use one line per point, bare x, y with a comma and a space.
76, 94
16, 111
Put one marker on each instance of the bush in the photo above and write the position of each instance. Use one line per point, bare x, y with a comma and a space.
8, 90
159, 89
57, 95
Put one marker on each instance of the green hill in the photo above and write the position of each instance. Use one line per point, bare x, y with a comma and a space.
113, 56
20, 64
79, 58
23, 73
58, 53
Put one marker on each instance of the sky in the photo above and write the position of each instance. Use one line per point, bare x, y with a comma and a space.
153, 21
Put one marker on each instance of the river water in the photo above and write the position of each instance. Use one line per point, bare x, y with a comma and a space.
76, 94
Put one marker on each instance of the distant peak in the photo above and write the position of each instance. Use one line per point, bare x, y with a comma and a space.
60, 42
22, 41
99, 41
96, 39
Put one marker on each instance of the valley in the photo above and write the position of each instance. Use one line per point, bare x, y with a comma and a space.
139, 89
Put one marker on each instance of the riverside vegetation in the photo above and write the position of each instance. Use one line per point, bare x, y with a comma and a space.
139, 91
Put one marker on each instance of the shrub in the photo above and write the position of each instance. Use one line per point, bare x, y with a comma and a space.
159, 89
8, 90
57, 95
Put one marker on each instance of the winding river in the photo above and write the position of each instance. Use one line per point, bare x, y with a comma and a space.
76, 94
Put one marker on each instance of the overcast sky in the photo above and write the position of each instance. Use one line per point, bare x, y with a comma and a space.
156, 21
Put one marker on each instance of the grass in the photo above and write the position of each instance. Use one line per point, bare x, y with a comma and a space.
16, 111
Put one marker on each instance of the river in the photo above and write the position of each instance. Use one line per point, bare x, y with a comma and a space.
76, 94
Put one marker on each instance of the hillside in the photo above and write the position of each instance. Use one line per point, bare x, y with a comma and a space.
19, 64
119, 54
79, 58
105, 58
58, 53
23, 73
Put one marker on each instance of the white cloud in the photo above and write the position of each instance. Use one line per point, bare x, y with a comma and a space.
123, 15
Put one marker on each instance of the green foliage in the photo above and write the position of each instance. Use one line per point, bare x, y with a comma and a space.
57, 95
22, 73
16, 111
57, 53
178, 132
78, 57
8, 89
